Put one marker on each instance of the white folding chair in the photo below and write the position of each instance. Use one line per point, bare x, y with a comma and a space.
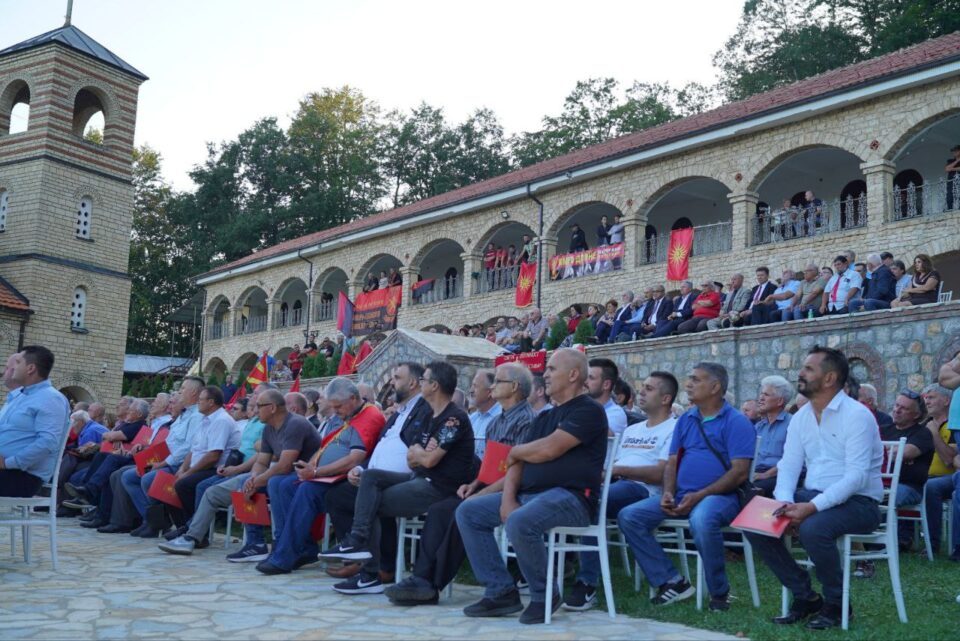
21, 511
409, 529
885, 535
557, 540
228, 533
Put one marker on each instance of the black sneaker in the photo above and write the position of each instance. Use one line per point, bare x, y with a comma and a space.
672, 592
828, 617
360, 584
90, 515
250, 553
265, 567
77, 503
349, 549
502, 605
412, 590
800, 610
522, 586
581, 597
175, 533
76, 491
536, 612
720, 603
305, 560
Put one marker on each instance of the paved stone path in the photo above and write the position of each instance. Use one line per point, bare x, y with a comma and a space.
117, 587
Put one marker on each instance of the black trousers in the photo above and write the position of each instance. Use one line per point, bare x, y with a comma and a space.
187, 493
340, 501
123, 512
20, 484
441, 547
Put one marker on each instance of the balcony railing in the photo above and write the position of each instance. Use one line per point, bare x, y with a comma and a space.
498, 278
252, 325
707, 239
290, 318
926, 199
443, 289
217, 329
324, 311
776, 225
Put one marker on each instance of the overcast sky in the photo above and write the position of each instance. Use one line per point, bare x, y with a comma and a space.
216, 66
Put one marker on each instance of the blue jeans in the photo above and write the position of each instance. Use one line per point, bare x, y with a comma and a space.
870, 304
137, 486
639, 521
478, 517
818, 536
939, 489
99, 481
956, 510
281, 490
802, 311
303, 502
622, 494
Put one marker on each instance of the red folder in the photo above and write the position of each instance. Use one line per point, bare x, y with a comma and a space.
151, 456
142, 438
328, 479
162, 489
253, 511
494, 466
757, 517
107, 447
316, 529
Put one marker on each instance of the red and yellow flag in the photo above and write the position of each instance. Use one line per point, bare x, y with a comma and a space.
525, 282
678, 254
260, 373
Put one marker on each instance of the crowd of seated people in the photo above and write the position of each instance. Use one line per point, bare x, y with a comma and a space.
338, 452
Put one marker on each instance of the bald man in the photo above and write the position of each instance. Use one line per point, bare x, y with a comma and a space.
553, 479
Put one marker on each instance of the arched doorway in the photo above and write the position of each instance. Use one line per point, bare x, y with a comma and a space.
326, 292
697, 202
381, 268
498, 266
925, 152
441, 272
253, 312
293, 299
77, 394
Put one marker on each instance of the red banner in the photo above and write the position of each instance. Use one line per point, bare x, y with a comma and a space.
525, 281
591, 261
678, 254
376, 311
536, 362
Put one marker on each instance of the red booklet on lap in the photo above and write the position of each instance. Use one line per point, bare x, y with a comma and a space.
162, 489
152, 456
328, 479
252, 512
757, 517
494, 466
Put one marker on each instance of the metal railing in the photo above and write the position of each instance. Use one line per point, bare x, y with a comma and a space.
217, 330
251, 325
707, 239
290, 318
446, 288
498, 278
926, 199
323, 311
776, 225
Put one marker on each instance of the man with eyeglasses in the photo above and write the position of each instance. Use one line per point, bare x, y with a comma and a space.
441, 548
441, 458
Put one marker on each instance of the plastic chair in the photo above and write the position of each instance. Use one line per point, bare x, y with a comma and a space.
885, 535
409, 529
27, 518
557, 540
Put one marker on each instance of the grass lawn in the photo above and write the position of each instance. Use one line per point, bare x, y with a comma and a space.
930, 591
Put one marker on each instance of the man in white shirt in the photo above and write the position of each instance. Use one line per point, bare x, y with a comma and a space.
637, 472
481, 393
601, 378
837, 439
843, 286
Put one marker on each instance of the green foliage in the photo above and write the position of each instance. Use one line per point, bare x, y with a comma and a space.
93, 135
584, 332
314, 367
558, 332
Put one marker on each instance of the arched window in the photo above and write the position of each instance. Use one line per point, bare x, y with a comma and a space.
297, 312
15, 103
78, 308
908, 192
4, 206
89, 115
650, 244
84, 217
284, 312
853, 210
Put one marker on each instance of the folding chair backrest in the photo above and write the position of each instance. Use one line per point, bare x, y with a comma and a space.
60, 451
613, 444
890, 475
753, 462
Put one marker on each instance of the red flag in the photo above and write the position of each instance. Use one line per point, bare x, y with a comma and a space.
346, 364
362, 353
678, 254
260, 373
345, 315
296, 385
525, 281
240, 393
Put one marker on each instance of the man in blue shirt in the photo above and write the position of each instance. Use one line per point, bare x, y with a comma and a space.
488, 409
33, 423
775, 393
701, 488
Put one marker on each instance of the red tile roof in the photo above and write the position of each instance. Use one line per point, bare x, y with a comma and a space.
11, 299
926, 54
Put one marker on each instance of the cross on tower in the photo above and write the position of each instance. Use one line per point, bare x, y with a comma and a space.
69, 15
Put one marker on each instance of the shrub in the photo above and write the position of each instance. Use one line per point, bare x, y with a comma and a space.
558, 332
584, 332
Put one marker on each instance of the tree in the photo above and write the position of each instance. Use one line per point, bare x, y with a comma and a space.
584, 332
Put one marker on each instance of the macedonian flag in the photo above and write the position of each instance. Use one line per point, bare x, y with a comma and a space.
678, 254
260, 373
525, 281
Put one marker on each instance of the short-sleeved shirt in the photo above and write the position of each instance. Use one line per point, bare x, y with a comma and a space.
953, 419
580, 468
490, 259
454, 434
848, 280
218, 431
644, 446
790, 286
251, 433
707, 312
914, 472
130, 430
616, 417
480, 421
92, 432
937, 468
808, 287
295, 433
341, 445
772, 436
731, 434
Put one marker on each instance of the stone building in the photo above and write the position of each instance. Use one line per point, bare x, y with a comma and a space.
66, 207
871, 140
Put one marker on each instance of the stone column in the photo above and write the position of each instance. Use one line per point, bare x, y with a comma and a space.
273, 313
744, 213
409, 275
235, 315
471, 263
207, 328
879, 178
634, 228
548, 249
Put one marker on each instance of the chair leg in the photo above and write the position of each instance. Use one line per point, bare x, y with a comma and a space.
13, 540
751, 572
548, 601
893, 561
229, 536
699, 582
605, 575
53, 539
845, 599
926, 526
784, 601
636, 576
398, 570
682, 546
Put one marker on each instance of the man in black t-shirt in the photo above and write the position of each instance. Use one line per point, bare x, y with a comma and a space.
909, 410
441, 457
553, 479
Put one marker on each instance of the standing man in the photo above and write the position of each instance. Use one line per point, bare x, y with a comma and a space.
481, 393
553, 479
718, 443
33, 422
837, 440
228, 388
775, 393
578, 239
602, 377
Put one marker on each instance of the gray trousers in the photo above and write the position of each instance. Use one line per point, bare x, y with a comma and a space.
215, 498
388, 494
122, 513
